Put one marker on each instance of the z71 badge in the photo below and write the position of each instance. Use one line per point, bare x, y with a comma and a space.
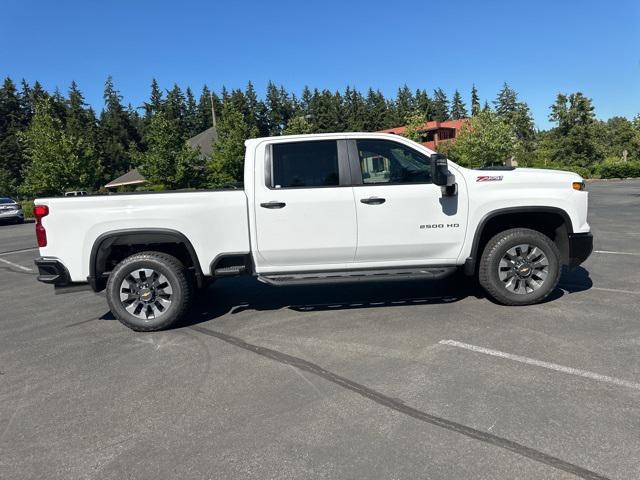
489, 178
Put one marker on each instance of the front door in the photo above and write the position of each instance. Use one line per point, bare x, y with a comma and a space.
305, 212
402, 216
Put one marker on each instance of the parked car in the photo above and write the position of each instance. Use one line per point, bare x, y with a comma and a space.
10, 211
76, 193
320, 209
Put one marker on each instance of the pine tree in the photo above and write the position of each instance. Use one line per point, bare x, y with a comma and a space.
59, 105
256, 110
154, 105
275, 120
204, 118
12, 121
475, 101
116, 133
376, 111
405, 104
516, 114
38, 93
458, 108
58, 161
506, 102
175, 109
354, 110
80, 120
226, 166
279, 107
327, 111
304, 107
26, 106
191, 114
423, 104
440, 105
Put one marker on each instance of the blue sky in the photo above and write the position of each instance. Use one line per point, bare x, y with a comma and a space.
539, 47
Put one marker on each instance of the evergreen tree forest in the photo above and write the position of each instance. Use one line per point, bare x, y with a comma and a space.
51, 142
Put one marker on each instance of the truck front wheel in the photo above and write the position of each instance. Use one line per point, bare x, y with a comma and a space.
149, 291
519, 266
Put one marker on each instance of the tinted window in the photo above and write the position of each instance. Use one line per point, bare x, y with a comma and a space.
384, 161
6, 200
305, 164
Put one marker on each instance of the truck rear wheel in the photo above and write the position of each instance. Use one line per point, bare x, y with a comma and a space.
519, 266
149, 291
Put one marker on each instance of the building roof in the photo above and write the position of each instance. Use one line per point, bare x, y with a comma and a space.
204, 141
433, 125
132, 177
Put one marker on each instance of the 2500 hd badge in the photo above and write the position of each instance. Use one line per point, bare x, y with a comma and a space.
440, 225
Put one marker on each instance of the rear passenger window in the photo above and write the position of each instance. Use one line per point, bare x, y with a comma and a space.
305, 164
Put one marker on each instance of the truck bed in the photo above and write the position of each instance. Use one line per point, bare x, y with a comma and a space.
214, 222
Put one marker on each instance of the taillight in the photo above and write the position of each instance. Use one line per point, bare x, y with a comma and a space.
40, 211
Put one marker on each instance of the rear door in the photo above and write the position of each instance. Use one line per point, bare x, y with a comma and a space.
402, 216
304, 206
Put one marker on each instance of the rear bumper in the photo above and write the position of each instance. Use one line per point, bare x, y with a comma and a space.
580, 247
11, 215
52, 271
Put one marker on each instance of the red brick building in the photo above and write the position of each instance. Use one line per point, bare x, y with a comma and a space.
432, 133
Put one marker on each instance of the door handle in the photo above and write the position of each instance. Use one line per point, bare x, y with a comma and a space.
373, 200
273, 205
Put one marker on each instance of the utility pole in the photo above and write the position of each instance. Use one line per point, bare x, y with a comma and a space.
213, 110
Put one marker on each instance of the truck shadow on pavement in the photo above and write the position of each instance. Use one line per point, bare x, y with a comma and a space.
236, 295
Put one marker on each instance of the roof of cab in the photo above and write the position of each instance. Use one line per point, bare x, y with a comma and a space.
318, 136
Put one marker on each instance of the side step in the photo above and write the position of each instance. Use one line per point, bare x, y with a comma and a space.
384, 275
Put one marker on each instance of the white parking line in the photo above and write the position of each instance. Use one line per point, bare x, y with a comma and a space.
583, 287
615, 290
540, 363
18, 251
15, 265
615, 253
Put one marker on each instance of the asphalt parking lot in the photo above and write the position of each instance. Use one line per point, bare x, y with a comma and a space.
394, 381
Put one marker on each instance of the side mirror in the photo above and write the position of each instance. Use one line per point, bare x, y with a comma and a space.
440, 173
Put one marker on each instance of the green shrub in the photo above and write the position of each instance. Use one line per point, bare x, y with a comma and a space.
584, 172
27, 208
615, 168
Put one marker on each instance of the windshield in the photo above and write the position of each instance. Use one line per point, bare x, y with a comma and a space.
5, 200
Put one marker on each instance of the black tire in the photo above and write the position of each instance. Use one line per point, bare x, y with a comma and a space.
163, 265
20, 221
496, 250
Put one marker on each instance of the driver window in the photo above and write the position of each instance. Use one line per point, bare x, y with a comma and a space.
387, 162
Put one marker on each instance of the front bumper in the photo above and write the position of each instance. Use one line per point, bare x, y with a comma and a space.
580, 247
51, 270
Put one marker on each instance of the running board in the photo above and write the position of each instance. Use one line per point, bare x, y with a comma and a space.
384, 275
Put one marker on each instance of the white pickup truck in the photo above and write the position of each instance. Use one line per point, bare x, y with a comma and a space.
320, 208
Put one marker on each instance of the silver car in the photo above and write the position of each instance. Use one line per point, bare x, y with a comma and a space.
10, 211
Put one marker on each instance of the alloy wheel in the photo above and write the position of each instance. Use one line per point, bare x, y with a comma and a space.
523, 269
146, 293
